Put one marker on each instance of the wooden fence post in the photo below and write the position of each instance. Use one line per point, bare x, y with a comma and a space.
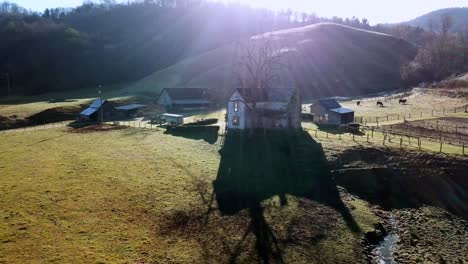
353, 137
419, 143
327, 134
367, 138
409, 116
387, 118
440, 147
385, 135
401, 142
463, 149
398, 117
432, 114
372, 135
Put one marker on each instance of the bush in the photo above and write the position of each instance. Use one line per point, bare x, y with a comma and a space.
206, 122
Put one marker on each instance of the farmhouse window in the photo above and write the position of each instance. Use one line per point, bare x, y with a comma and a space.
235, 121
236, 107
326, 117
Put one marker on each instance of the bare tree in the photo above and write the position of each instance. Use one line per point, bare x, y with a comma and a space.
260, 65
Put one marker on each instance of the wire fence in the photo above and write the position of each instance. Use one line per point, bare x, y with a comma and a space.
412, 115
149, 125
452, 137
375, 136
36, 127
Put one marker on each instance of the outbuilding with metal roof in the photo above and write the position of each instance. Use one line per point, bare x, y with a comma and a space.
329, 112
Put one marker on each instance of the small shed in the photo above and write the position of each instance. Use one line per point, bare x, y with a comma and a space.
330, 112
173, 119
97, 108
184, 98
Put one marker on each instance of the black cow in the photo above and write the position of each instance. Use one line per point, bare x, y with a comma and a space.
380, 104
402, 101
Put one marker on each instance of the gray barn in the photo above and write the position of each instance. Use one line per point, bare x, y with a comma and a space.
330, 112
93, 112
184, 98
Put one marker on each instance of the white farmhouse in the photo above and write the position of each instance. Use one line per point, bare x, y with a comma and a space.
274, 108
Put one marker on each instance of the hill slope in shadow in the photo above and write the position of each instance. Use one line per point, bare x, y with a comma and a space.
433, 19
324, 60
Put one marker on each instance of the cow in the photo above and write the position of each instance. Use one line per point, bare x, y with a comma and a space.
402, 101
358, 103
380, 104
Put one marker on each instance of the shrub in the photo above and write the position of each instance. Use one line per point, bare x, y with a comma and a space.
205, 122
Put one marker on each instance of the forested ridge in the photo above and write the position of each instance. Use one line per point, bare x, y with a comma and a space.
105, 43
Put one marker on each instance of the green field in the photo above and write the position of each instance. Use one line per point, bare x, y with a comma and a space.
140, 196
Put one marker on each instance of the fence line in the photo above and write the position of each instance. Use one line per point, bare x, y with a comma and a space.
437, 136
412, 115
384, 138
36, 127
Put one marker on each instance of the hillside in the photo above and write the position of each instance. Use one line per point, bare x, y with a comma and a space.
100, 44
459, 16
324, 59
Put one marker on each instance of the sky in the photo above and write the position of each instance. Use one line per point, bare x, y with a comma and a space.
376, 11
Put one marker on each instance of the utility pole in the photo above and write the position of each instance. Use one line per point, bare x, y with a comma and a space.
8, 83
101, 119
7, 77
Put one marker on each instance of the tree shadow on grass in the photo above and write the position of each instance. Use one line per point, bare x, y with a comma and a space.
206, 133
257, 167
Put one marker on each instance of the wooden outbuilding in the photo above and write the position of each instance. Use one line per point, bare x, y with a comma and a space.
98, 111
330, 112
184, 98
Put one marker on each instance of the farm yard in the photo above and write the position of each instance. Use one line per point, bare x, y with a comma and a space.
181, 131
163, 195
155, 193
132, 195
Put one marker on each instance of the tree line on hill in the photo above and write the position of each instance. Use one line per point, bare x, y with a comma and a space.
106, 42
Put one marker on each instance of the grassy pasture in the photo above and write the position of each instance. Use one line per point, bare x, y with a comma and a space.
139, 196
419, 100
